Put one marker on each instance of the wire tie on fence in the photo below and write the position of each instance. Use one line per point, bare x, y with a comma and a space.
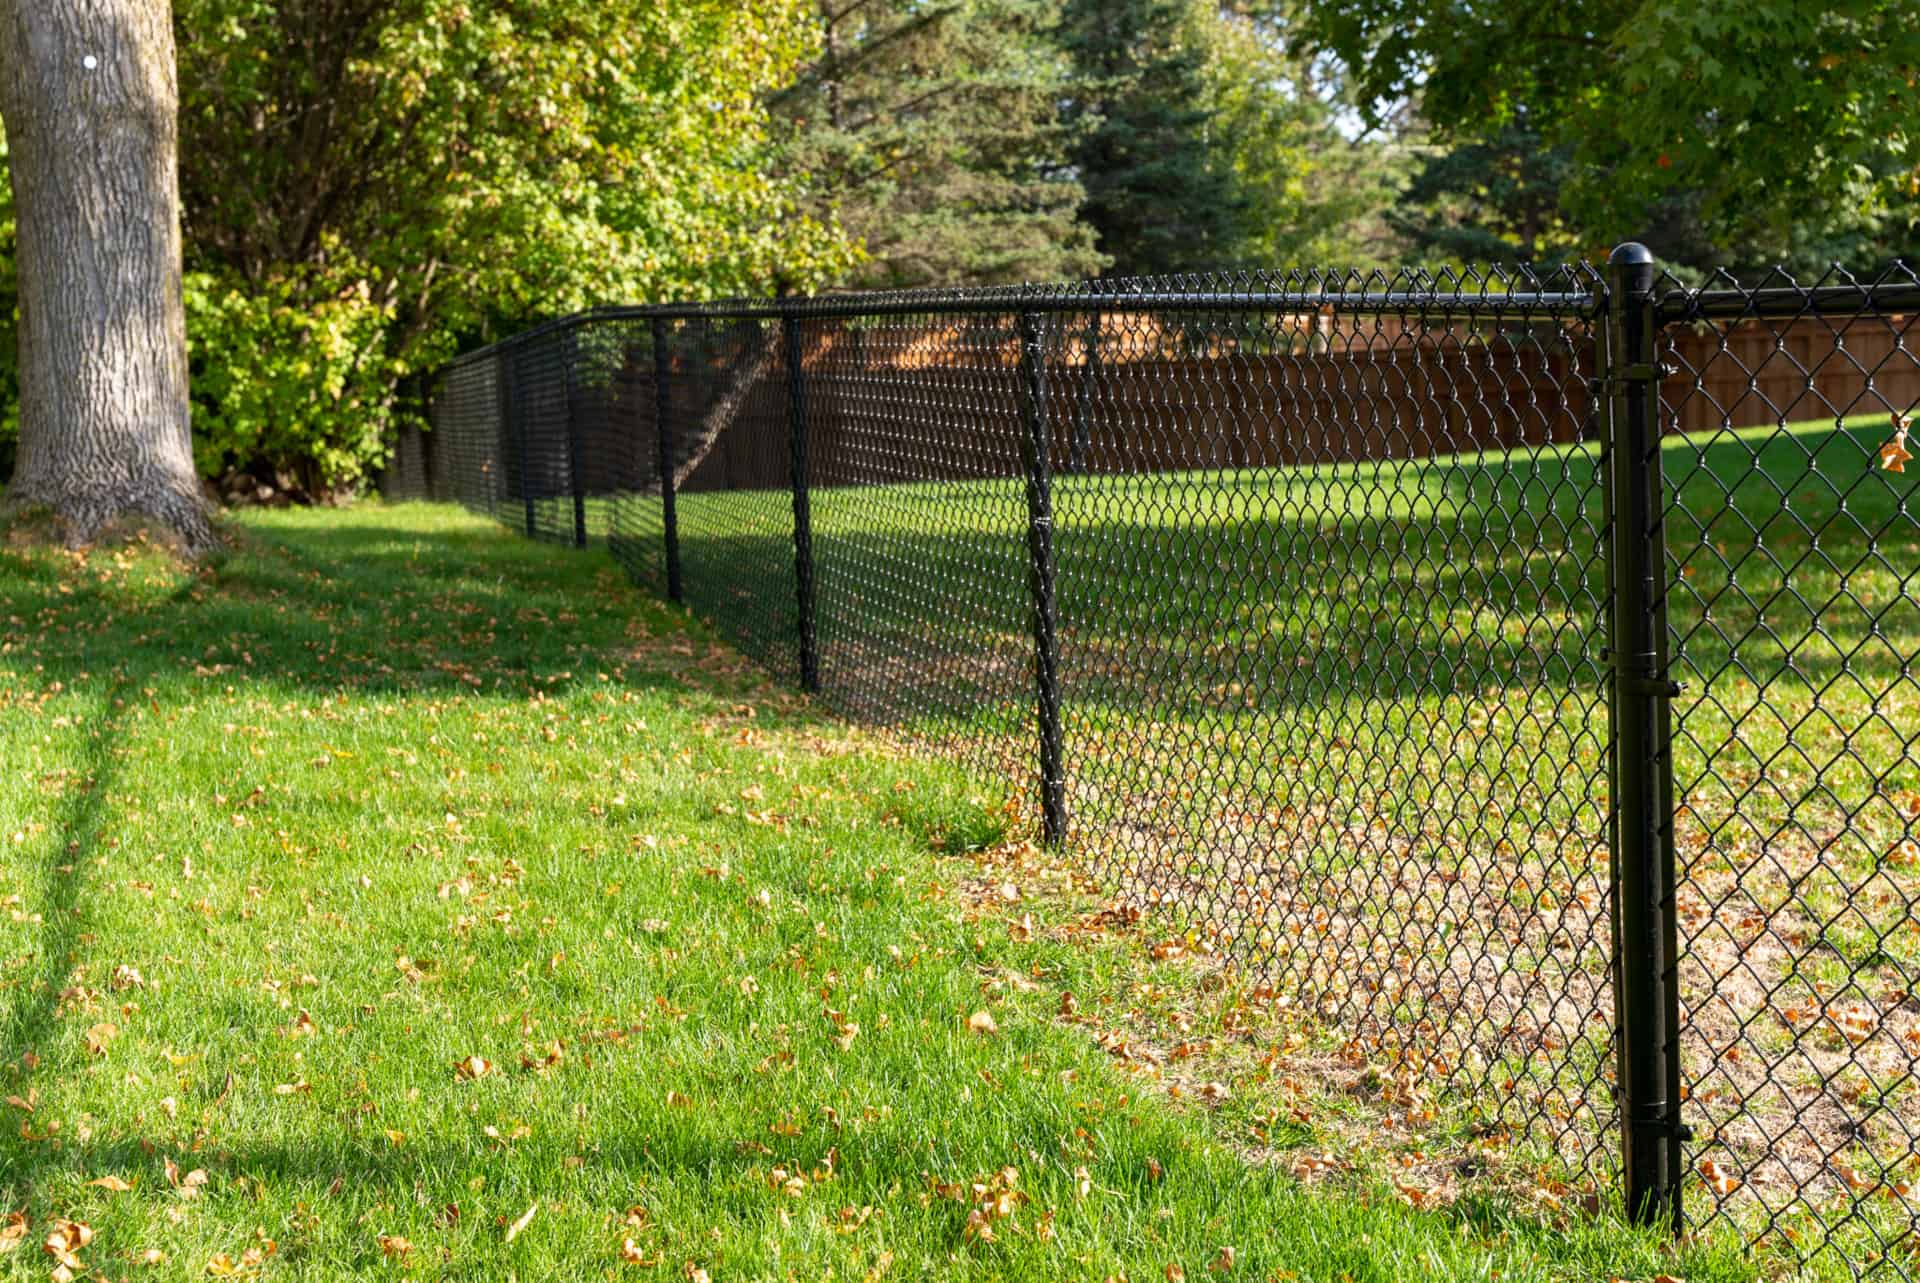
1627, 375
1656, 1119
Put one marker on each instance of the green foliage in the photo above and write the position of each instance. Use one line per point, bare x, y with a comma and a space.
1308, 193
304, 388
368, 184
930, 132
1160, 196
1742, 124
1491, 199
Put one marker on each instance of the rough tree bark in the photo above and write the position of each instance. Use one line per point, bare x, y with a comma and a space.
89, 93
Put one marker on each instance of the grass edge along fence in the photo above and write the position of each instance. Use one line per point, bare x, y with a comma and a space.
1348, 617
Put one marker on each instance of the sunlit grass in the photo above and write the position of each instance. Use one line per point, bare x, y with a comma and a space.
288, 842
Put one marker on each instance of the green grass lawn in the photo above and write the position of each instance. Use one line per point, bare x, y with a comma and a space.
398, 897
1350, 721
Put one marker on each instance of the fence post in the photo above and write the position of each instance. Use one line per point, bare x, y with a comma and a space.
1036, 451
1089, 385
1646, 989
517, 429
802, 504
666, 449
571, 357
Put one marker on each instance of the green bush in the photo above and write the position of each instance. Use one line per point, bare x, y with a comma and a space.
306, 388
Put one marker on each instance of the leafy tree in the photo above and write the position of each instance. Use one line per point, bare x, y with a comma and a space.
929, 131
90, 95
9, 335
1763, 118
1309, 188
1160, 196
1494, 198
370, 183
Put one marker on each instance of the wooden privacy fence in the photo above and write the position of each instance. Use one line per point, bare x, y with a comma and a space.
1127, 400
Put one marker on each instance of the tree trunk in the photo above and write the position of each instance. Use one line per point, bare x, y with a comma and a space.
90, 96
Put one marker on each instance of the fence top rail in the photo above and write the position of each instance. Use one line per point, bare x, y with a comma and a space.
1577, 291
1894, 289
1887, 297
1573, 292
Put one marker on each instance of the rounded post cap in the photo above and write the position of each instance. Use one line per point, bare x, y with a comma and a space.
1631, 254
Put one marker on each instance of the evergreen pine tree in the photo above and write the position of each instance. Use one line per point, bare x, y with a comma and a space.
1157, 193
931, 130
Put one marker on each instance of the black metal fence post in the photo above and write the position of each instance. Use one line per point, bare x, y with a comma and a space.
802, 504
666, 444
1646, 989
1036, 449
1081, 441
575, 448
515, 426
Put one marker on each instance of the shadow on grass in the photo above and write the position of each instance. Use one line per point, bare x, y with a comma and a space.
1193, 598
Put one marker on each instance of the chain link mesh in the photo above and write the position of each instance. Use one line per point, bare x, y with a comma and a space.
1287, 598
1795, 624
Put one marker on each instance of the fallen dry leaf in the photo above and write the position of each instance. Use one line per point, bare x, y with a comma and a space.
981, 1022
1223, 1262
1894, 455
13, 1231
472, 1067
393, 1245
526, 1219
113, 1184
1718, 1179
189, 1184
64, 1243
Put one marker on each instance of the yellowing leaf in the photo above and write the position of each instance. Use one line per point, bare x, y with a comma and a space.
64, 1242
472, 1067
1718, 1179
1894, 455
112, 1184
526, 1219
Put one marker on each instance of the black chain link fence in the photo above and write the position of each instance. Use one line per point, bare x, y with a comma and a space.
1517, 672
